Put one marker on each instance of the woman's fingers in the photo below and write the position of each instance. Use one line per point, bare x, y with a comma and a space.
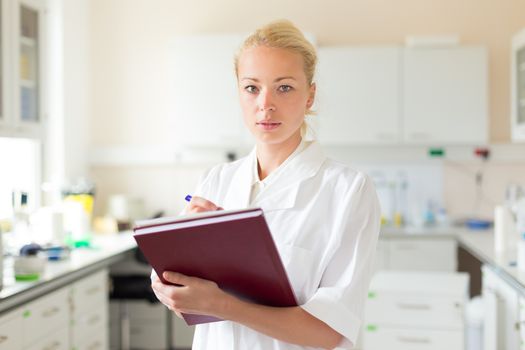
177, 278
199, 204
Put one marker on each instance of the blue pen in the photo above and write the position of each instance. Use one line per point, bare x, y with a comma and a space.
188, 198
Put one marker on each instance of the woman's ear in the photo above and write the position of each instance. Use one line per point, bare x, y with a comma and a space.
311, 96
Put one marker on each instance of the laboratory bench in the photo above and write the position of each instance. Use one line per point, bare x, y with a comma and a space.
68, 306
35, 314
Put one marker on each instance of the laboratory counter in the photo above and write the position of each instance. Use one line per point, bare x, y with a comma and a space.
481, 245
110, 249
105, 250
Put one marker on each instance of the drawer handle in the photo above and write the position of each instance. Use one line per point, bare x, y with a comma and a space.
55, 345
50, 312
407, 306
406, 247
94, 320
92, 290
3, 338
414, 340
95, 345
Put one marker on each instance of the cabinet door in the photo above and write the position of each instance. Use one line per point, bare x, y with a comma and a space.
445, 95
11, 330
28, 64
501, 324
358, 95
45, 315
4, 65
423, 254
205, 104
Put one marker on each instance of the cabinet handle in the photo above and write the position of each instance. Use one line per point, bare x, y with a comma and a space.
92, 290
3, 338
53, 346
50, 312
407, 306
94, 320
386, 136
406, 247
413, 340
95, 345
419, 136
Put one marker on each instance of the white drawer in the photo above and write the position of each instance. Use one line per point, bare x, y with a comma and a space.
45, 315
55, 341
11, 330
382, 338
98, 341
89, 325
89, 292
423, 255
418, 311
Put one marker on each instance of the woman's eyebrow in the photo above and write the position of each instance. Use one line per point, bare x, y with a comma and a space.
276, 80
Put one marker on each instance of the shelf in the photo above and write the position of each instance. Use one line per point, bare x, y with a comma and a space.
27, 41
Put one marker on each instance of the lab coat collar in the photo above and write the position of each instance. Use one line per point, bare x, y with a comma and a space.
282, 193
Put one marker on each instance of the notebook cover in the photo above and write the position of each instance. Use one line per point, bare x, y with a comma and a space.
239, 254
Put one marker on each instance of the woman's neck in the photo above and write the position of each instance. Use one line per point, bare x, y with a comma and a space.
270, 156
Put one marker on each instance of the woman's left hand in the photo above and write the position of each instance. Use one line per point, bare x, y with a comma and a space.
193, 296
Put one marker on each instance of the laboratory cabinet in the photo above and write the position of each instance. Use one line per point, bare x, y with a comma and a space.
415, 310
23, 51
417, 254
501, 326
71, 317
358, 95
205, 106
11, 330
445, 95
89, 311
393, 95
147, 324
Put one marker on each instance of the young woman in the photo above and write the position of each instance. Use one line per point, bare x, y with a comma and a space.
324, 216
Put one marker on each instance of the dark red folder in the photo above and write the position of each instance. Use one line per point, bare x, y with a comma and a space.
235, 249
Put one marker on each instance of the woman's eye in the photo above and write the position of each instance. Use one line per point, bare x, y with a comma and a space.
285, 88
251, 89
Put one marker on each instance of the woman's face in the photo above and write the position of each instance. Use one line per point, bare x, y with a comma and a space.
274, 93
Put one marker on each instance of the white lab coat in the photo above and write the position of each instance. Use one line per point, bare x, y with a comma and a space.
324, 218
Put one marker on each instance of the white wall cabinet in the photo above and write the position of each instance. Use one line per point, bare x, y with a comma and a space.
389, 95
358, 95
206, 109
23, 48
445, 95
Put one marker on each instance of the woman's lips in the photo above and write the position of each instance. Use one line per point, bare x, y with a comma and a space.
268, 125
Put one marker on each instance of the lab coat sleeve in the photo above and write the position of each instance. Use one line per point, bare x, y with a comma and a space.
340, 298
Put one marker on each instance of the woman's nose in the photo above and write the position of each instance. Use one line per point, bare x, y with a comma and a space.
266, 101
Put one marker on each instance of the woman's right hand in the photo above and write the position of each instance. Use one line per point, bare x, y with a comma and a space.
199, 205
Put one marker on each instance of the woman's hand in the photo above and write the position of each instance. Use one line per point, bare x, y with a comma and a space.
199, 205
193, 296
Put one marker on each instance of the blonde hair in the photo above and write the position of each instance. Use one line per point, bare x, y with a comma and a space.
283, 34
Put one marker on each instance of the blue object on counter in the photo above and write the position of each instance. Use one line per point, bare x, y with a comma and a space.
478, 224
58, 252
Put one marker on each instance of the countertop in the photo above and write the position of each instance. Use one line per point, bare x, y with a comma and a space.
109, 249
481, 245
105, 250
